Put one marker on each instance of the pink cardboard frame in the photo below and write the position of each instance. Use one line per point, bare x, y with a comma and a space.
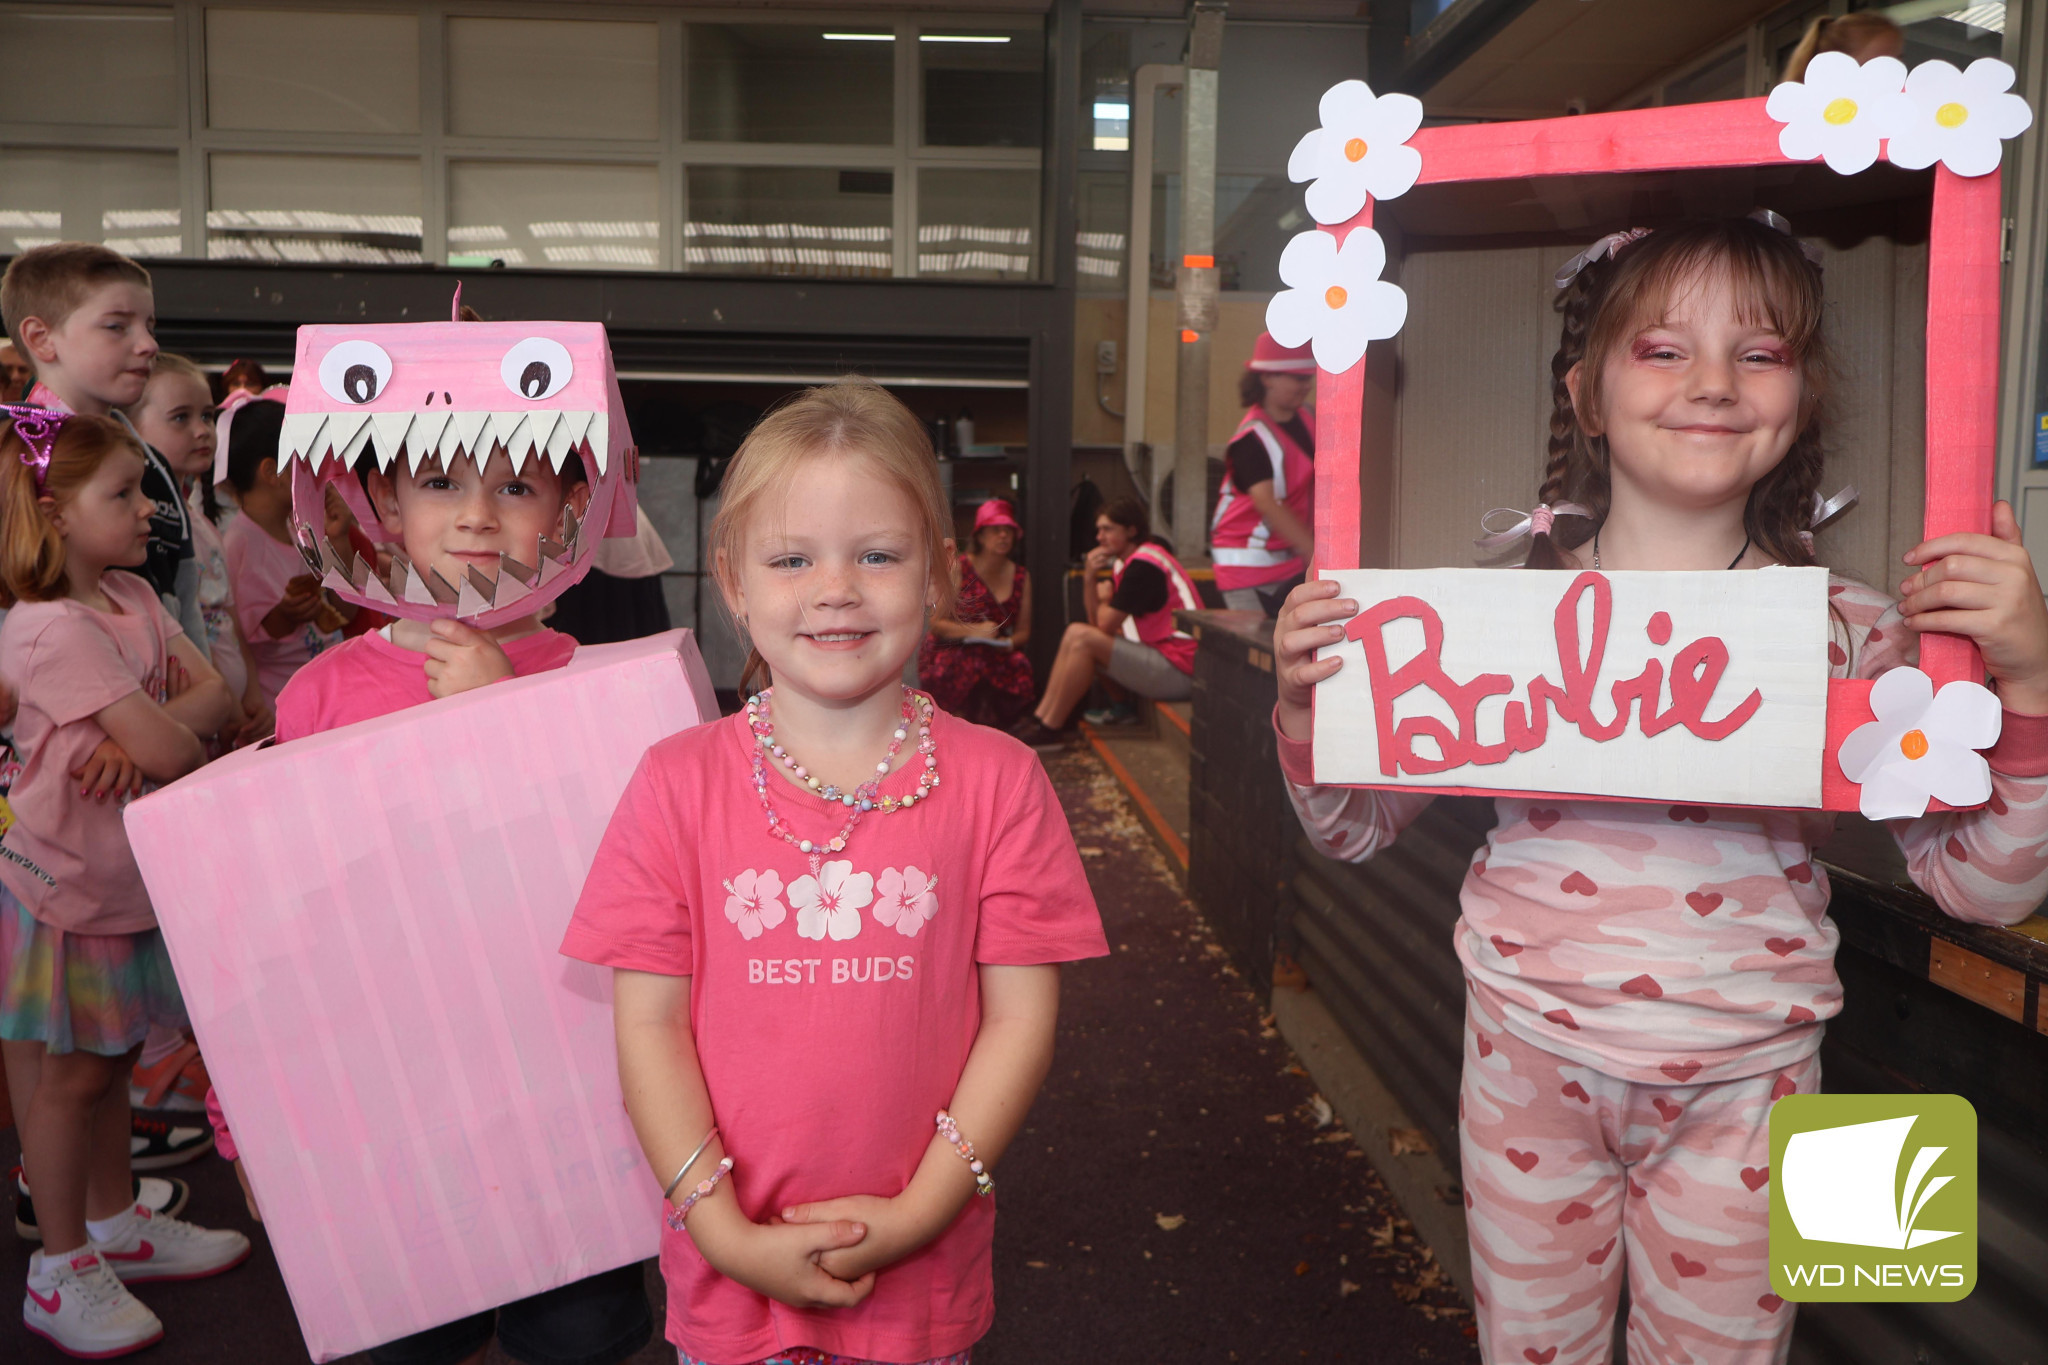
1962, 338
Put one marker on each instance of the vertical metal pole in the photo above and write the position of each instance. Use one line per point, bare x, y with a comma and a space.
1146, 83
1196, 284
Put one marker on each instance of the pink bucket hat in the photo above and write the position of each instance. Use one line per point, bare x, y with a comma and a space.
1270, 356
994, 512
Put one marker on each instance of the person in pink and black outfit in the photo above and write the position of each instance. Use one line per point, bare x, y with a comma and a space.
971, 660
1259, 536
1133, 586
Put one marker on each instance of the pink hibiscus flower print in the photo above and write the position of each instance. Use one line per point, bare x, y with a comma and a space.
830, 902
752, 902
906, 900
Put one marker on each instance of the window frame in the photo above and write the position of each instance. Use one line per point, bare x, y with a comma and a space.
671, 154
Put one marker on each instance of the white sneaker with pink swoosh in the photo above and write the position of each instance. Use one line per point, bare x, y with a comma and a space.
78, 1306
154, 1247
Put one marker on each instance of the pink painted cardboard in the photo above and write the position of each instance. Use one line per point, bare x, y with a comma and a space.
409, 390
365, 924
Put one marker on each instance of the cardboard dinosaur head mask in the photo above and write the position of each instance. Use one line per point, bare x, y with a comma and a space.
404, 393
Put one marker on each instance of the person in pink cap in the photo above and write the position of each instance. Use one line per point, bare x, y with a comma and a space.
1259, 538
972, 661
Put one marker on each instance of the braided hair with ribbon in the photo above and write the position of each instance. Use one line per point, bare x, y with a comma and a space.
1626, 281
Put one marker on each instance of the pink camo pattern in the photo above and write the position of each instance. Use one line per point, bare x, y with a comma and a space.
1571, 1175
1681, 944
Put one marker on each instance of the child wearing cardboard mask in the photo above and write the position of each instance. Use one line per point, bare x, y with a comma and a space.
1617, 1123
449, 516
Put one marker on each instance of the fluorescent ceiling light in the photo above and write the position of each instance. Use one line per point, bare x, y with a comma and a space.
963, 37
860, 37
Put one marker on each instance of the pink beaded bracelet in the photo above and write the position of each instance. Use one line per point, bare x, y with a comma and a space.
679, 1212
949, 1129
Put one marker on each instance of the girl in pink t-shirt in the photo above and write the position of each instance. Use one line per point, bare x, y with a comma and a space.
835, 921
1645, 981
98, 665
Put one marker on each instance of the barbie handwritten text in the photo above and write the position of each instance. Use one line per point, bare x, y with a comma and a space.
1622, 685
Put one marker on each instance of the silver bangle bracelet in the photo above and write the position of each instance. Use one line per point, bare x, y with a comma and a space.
691, 1162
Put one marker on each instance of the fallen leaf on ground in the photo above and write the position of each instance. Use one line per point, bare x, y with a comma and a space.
1301, 1267
1409, 1141
1089, 851
1276, 1118
1320, 1107
1383, 1235
1036, 1265
1169, 1221
1269, 1033
1405, 1292
1345, 1289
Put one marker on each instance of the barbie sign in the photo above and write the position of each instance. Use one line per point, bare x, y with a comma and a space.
1625, 685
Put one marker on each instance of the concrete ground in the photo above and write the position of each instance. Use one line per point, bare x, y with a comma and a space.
1181, 1193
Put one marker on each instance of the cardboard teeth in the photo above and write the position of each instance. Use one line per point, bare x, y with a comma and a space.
446, 399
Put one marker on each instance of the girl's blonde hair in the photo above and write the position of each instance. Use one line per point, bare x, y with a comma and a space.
852, 419
167, 363
31, 551
1611, 300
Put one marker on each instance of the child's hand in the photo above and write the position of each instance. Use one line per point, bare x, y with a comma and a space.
894, 1231
177, 682
261, 720
781, 1260
460, 658
1306, 624
107, 771
1984, 587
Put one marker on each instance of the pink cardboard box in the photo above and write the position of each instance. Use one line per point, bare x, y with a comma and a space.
365, 924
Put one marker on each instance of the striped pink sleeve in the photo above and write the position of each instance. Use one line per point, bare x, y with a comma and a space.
1982, 866
1350, 824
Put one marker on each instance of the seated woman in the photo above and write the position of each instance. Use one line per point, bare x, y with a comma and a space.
972, 661
1133, 585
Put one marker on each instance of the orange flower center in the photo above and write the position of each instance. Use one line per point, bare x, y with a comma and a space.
1335, 296
1354, 150
1913, 744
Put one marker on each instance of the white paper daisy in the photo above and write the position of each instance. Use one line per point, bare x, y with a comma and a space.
1923, 744
1361, 149
1335, 297
1840, 112
1959, 118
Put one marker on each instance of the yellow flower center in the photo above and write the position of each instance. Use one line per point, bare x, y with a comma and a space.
1951, 115
1913, 744
1839, 110
1354, 150
1335, 296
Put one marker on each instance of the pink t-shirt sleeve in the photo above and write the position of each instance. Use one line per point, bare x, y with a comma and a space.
1035, 903
634, 911
253, 580
75, 668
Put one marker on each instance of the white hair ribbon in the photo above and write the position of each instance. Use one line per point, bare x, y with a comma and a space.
1537, 521
1606, 246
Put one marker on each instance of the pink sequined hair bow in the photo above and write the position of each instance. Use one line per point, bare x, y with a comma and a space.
37, 428
1613, 242
1537, 521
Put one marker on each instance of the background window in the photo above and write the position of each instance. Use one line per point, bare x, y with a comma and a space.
1101, 235
353, 210
129, 200
312, 71
982, 87
80, 64
796, 221
568, 216
553, 78
791, 83
977, 225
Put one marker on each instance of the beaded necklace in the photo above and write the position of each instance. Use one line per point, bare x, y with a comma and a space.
917, 709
